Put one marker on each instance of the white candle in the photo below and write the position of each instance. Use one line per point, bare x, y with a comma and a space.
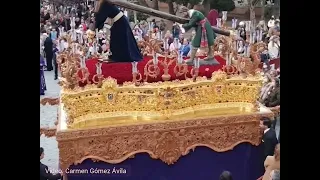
180, 59
197, 63
260, 35
218, 22
224, 15
134, 67
99, 69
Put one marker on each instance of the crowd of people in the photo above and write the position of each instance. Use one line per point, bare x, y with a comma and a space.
55, 22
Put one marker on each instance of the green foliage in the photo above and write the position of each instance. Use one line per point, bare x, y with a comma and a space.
140, 16
267, 12
183, 2
222, 5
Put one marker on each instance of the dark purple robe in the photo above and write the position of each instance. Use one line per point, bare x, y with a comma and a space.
123, 45
42, 80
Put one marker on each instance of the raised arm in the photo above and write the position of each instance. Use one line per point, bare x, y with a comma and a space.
192, 23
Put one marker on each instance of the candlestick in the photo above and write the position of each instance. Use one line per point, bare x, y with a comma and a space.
149, 25
73, 49
235, 23
249, 25
82, 62
176, 43
224, 15
247, 28
245, 50
261, 34
196, 62
251, 37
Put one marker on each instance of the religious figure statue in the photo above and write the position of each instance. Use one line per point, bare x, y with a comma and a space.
123, 45
204, 37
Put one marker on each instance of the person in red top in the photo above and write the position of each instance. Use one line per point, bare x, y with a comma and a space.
83, 25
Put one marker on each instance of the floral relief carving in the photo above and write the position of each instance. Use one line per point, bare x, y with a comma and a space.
165, 141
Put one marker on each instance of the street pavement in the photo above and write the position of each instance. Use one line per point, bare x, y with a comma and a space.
48, 115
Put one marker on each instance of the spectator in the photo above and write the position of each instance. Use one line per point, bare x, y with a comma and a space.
275, 30
176, 30
278, 73
273, 98
162, 25
265, 57
44, 170
266, 87
48, 51
274, 47
225, 175
275, 175
272, 163
269, 138
175, 45
271, 22
185, 48
168, 36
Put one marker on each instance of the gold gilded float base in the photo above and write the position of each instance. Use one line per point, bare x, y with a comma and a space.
167, 141
140, 117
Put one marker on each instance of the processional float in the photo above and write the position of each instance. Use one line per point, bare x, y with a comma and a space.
164, 119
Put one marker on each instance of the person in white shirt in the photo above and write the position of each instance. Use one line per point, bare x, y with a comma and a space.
274, 47
175, 45
271, 22
241, 47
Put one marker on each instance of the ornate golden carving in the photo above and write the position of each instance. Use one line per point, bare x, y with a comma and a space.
149, 46
48, 132
222, 45
166, 141
69, 64
113, 104
50, 101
